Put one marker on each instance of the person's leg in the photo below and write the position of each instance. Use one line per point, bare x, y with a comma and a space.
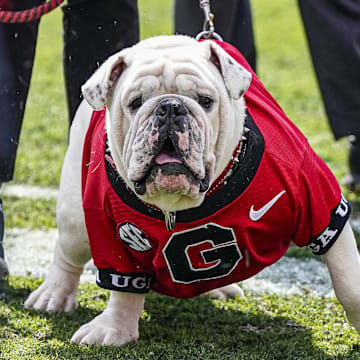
17, 49
93, 30
333, 32
232, 21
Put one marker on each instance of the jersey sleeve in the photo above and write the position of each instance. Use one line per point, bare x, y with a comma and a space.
117, 268
322, 209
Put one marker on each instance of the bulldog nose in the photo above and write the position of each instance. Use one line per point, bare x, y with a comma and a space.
171, 108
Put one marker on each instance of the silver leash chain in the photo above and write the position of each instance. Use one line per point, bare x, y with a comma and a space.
208, 31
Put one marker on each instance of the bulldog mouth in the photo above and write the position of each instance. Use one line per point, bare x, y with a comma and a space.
167, 154
170, 163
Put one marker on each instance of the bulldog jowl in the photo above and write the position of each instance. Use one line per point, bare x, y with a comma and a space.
168, 151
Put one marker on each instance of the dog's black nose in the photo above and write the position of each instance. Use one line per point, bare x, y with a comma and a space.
171, 114
170, 108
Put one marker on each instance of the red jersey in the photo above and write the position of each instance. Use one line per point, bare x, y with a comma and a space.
281, 192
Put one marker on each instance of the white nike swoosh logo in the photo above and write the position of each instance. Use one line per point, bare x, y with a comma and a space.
256, 215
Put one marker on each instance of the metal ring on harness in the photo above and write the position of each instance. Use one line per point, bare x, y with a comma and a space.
208, 35
28, 15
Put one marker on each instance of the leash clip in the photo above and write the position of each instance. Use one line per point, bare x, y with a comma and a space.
208, 31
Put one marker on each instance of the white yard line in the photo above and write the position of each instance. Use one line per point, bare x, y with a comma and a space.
29, 253
27, 191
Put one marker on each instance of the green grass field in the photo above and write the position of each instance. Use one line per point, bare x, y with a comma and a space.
258, 327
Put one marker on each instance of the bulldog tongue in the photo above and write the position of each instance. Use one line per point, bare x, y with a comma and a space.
167, 157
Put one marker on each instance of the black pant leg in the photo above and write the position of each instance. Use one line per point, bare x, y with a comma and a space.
233, 22
333, 32
93, 30
17, 50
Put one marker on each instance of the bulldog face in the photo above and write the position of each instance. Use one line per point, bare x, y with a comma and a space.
174, 116
168, 152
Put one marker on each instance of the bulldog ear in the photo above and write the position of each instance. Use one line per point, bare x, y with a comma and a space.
98, 87
236, 78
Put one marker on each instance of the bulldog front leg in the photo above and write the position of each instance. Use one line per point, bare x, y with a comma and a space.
59, 290
343, 263
118, 324
57, 293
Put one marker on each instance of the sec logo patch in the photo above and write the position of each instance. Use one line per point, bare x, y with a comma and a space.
133, 237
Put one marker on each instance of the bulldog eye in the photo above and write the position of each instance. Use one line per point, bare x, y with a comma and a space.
205, 102
136, 103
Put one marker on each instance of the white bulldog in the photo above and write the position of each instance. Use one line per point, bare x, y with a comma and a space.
180, 141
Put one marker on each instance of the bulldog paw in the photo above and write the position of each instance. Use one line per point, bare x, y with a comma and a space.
105, 329
226, 292
56, 294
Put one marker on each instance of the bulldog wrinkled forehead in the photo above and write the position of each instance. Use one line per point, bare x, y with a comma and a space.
176, 48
